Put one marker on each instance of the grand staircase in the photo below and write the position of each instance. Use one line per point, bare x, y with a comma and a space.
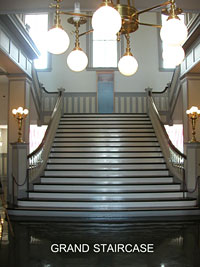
106, 166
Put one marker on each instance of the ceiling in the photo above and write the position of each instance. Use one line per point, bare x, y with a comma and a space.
21, 6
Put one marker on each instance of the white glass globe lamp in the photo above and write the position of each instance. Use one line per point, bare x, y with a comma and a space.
174, 55
57, 40
174, 32
128, 65
106, 20
77, 60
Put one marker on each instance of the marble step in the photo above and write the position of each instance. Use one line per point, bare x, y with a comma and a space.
107, 144
105, 126
104, 115
104, 167
106, 149
107, 187
105, 160
118, 196
103, 139
110, 122
142, 118
106, 180
105, 135
109, 205
110, 155
106, 130
106, 173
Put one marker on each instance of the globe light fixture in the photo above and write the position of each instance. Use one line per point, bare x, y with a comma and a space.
77, 60
117, 19
57, 40
106, 20
174, 32
128, 65
173, 54
193, 113
20, 114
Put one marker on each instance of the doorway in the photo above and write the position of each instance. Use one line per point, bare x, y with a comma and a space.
105, 92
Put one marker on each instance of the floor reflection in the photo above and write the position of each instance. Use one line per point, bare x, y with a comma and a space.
175, 244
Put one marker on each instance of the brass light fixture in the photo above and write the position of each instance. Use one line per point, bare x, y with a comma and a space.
77, 60
119, 19
193, 113
20, 114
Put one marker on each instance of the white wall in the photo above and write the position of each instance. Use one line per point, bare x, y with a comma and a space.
145, 49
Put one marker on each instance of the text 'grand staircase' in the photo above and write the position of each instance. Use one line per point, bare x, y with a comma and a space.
106, 166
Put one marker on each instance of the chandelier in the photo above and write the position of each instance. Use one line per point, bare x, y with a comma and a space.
117, 19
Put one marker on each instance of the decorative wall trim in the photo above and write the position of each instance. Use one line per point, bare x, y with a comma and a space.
16, 43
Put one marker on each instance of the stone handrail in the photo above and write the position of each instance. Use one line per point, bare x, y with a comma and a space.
37, 160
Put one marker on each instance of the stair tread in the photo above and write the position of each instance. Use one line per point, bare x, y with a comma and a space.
120, 210
121, 200
126, 184
93, 177
83, 192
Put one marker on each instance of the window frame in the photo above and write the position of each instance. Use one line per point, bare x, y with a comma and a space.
89, 51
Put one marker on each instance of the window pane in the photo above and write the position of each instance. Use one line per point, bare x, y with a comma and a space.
104, 51
105, 54
38, 28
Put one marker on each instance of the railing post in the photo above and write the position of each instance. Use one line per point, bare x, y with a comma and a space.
19, 170
61, 92
193, 169
148, 93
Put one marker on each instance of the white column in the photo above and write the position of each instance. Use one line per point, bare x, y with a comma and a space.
19, 91
19, 170
193, 167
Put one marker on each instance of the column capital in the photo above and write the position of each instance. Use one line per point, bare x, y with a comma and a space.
195, 145
19, 77
19, 145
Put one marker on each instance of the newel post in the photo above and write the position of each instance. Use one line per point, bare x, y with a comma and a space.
193, 169
19, 170
148, 93
61, 92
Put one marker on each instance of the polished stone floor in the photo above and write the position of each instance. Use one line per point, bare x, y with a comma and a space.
175, 244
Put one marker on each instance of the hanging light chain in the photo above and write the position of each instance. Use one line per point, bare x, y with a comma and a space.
77, 43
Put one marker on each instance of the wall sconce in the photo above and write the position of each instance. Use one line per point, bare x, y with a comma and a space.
193, 113
20, 114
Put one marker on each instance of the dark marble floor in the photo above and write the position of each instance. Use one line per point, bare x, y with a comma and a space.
175, 244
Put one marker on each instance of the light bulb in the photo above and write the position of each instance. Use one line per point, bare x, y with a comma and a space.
173, 55
127, 65
57, 40
77, 60
20, 110
14, 111
106, 20
174, 32
76, 10
192, 110
25, 111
